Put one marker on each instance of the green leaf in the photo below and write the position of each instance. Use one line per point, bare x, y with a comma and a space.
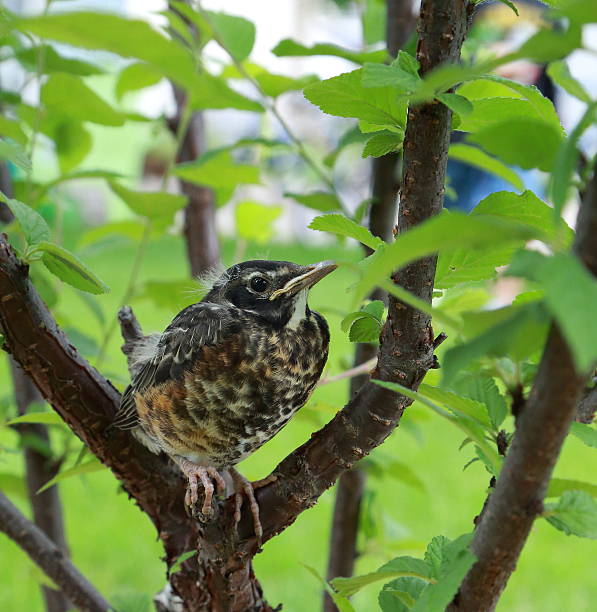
54, 62
342, 603
585, 433
457, 404
318, 200
558, 486
15, 153
457, 104
393, 75
529, 210
291, 48
375, 308
383, 143
72, 141
346, 96
567, 160
236, 34
549, 44
208, 91
131, 602
217, 171
528, 143
483, 389
399, 567
43, 418
570, 295
445, 232
476, 157
254, 221
93, 465
578, 11
365, 329
343, 226
125, 37
521, 332
575, 514
400, 594
153, 205
33, 225
70, 269
373, 21
559, 73
68, 95
177, 565
275, 85
136, 76
456, 560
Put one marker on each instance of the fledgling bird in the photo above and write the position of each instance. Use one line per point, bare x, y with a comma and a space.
228, 373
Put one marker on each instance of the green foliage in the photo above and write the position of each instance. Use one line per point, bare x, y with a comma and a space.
291, 48
92, 465
585, 433
153, 205
342, 226
33, 225
254, 221
575, 514
318, 200
365, 324
43, 418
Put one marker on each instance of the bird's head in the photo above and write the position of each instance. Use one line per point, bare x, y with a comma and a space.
274, 290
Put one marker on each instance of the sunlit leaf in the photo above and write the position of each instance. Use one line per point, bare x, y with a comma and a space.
291, 48
33, 225
585, 433
93, 465
343, 226
151, 204
318, 200
254, 221
575, 514
136, 76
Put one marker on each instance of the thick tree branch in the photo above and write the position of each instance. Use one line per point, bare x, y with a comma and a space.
50, 558
541, 429
382, 217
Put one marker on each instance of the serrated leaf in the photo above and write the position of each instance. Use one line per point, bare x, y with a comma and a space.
365, 329
393, 75
43, 418
291, 48
125, 37
69, 95
383, 143
585, 433
483, 389
575, 514
400, 594
70, 269
150, 204
558, 486
399, 567
459, 405
476, 157
254, 221
33, 225
346, 96
528, 143
445, 232
570, 295
317, 200
343, 226
375, 308
93, 465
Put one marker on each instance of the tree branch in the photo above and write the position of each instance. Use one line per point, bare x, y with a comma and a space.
541, 429
587, 407
50, 558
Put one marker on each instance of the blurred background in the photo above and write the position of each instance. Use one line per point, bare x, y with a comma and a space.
422, 489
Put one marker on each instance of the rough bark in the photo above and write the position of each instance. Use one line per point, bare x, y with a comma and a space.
382, 217
6, 215
222, 577
541, 429
587, 407
50, 558
40, 467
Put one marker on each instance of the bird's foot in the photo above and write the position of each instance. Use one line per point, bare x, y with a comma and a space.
245, 487
207, 475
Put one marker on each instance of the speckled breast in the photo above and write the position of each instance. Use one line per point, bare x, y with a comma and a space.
238, 394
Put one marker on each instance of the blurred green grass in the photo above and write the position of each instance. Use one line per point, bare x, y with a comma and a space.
115, 545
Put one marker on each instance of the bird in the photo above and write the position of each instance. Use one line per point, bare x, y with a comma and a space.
227, 374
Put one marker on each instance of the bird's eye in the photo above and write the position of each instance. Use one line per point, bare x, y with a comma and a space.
259, 284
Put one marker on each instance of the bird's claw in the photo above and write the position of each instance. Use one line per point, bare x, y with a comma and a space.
207, 475
246, 488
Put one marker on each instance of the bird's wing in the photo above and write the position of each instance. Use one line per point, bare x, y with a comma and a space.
199, 325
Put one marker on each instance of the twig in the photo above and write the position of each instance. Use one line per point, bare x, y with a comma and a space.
541, 429
50, 559
362, 368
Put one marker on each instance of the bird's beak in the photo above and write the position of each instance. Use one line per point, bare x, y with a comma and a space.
314, 273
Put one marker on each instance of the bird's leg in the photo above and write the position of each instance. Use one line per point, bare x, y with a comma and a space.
207, 475
243, 486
